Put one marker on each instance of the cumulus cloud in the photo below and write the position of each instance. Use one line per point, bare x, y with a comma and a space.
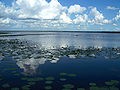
98, 17
117, 17
76, 9
80, 19
43, 14
111, 8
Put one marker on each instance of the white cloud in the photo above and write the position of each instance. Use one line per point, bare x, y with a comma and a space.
64, 18
40, 9
98, 17
43, 14
117, 17
76, 9
111, 8
80, 19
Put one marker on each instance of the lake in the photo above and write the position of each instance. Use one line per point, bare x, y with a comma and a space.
59, 61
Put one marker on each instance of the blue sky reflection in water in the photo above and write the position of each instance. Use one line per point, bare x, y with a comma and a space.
54, 60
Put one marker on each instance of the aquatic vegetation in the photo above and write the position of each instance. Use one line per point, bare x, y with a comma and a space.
6, 85
72, 75
26, 87
35, 79
62, 74
62, 79
80, 88
15, 89
50, 78
31, 83
92, 84
48, 82
24, 78
66, 89
98, 88
48, 87
113, 88
112, 82
68, 86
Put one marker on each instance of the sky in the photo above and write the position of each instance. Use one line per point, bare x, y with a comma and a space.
60, 15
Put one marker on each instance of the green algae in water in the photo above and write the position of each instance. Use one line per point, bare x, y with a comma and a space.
68, 86
62, 79
50, 78
72, 75
15, 89
6, 85
48, 87
92, 84
49, 82
80, 88
62, 74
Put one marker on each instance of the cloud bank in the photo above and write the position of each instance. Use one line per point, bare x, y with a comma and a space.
37, 14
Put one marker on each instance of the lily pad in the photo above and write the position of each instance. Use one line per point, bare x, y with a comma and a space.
72, 75
66, 89
49, 82
31, 83
14, 88
26, 87
48, 87
80, 88
112, 82
113, 88
92, 84
62, 74
35, 79
62, 79
23, 78
68, 86
50, 78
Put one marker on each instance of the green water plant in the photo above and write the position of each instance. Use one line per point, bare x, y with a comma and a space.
50, 78
15, 89
69, 86
48, 87
31, 83
48, 82
112, 82
62, 74
62, 79
92, 84
80, 88
72, 75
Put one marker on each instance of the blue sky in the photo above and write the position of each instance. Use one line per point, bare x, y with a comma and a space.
96, 15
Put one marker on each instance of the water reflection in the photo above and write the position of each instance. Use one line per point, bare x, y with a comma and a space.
30, 55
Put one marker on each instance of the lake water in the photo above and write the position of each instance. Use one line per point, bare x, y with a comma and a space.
59, 61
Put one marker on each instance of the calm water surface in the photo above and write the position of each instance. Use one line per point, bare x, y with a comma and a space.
59, 61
